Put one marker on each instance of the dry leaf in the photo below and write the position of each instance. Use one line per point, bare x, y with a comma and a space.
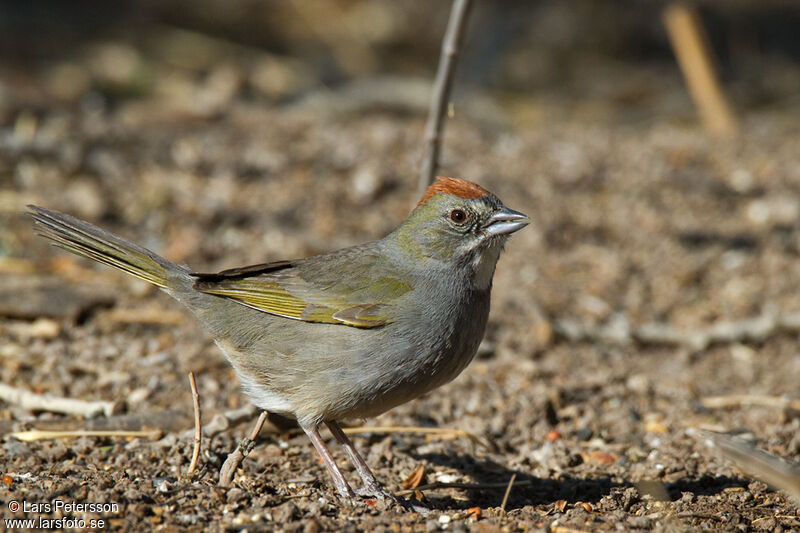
415, 479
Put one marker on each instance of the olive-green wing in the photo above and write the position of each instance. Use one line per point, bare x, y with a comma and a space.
276, 288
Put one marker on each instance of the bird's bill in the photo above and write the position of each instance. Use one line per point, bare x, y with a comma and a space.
505, 221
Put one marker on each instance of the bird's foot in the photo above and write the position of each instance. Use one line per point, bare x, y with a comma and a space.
347, 495
376, 490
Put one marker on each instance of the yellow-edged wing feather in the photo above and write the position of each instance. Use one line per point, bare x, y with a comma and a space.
267, 288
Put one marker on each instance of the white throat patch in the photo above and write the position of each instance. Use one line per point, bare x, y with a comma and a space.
484, 264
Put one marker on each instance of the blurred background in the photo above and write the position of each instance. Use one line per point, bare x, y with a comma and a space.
539, 61
655, 145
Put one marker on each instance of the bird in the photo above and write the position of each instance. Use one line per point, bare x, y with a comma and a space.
345, 334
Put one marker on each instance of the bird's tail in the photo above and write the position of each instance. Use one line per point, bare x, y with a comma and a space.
86, 240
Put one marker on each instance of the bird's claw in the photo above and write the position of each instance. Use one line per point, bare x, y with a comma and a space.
378, 492
348, 498
375, 491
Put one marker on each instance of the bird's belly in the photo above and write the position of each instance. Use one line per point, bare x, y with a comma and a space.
260, 395
346, 372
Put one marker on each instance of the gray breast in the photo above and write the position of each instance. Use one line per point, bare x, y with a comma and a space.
347, 372
421, 355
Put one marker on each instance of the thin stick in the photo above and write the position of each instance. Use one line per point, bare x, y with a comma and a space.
737, 400
441, 91
54, 404
37, 434
417, 429
198, 431
236, 457
463, 486
508, 492
690, 44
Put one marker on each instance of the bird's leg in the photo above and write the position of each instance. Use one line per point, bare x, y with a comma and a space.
345, 492
372, 487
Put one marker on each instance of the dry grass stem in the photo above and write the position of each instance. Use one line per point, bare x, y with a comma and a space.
198, 431
690, 44
37, 434
508, 492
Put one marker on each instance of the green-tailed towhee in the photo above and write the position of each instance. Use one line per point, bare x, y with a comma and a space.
345, 334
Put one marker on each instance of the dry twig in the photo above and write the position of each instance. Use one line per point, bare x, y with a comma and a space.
441, 91
37, 434
235, 458
198, 432
508, 492
43, 402
691, 48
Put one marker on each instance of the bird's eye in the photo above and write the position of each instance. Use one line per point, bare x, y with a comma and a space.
458, 216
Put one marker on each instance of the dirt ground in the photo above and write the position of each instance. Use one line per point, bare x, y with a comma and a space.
635, 223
